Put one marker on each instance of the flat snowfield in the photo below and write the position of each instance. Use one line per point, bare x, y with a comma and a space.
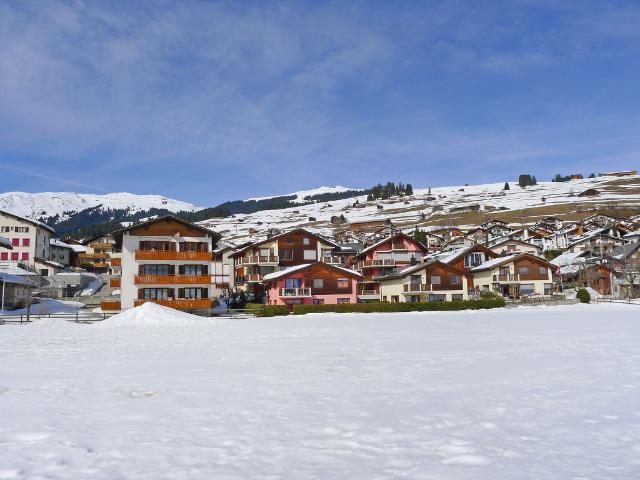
526, 393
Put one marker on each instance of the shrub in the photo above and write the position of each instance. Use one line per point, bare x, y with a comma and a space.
262, 310
583, 295
400, 307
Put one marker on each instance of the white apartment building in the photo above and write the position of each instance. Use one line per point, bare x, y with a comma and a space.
30, 241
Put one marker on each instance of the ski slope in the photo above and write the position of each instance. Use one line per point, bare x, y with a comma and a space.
531, 392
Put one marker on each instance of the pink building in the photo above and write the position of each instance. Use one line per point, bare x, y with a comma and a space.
317, 283
382, 258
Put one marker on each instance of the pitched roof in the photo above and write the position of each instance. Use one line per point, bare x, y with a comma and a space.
623, 251
407, 270
495, 262
392, 237
271, 239
24, 219
287, 271
120, 231
522, 242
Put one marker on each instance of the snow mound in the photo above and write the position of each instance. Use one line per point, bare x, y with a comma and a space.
571, 293
153, 315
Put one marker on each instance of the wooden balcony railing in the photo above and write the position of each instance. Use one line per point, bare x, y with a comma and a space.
180, 303
377, 263
171, 255
116, 262
172, 279
258, 259
295, 292
365, 291
110, 305
100, 265
331, 260
101, 246
254, 278
114, 282
416, 287
506, 277
93, 256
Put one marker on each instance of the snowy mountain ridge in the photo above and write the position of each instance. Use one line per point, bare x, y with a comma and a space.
302, 194
64, 204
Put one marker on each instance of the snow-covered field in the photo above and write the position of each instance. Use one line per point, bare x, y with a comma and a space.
537, 393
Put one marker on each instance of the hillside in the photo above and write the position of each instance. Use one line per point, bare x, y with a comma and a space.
64, 204
456, 205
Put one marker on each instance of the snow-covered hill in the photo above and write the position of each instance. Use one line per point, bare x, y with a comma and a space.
302, 194
442, 204
49, 204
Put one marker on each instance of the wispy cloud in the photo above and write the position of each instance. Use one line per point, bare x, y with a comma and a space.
193, 90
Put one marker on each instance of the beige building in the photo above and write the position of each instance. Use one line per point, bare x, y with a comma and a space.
166, 261
424, 282
515, 276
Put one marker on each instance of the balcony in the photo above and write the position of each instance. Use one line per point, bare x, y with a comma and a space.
172, 279
93, 256
331, 260
258, 260
506, 277
295, 292
366, 292
110, 305
100, 265
172, 255
101, 245
116, 262
114, 282
253, 278
180, 303
416, 287
377, 263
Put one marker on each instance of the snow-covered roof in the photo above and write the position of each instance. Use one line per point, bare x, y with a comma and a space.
14, 269
623, 251
15, 279
295, 268
27, 220
568, 258
56, 242
386, 239
5, 243
494, 262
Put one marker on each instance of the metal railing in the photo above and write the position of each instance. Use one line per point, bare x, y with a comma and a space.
295, 292
172, 279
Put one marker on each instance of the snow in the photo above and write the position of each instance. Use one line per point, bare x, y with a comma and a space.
302, 194
494, 261
153, 315
15, 279
46, 204
5, 243
418, 208
284, 272
95, 285
529, 392
48, 306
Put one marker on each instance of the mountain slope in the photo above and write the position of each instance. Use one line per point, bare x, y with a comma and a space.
64, 204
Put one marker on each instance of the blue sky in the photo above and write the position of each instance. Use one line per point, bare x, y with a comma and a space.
212, 101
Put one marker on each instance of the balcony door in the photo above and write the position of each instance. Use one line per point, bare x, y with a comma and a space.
293, 283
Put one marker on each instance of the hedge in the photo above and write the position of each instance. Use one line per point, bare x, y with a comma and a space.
262, 310
401, 307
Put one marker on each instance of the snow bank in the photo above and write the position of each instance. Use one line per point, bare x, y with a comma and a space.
570, 293
153, 315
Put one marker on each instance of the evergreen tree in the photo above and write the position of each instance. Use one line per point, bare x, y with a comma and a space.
533, 180
506, 186
420, 236
409, 189
593, 175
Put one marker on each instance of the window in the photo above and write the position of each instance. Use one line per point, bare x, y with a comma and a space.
384, 298
286, 254
318, 301
395, 298
193, 270
156, 293
456, 297
14, 256
435, 279
44, 272
15, 242
526, 288
157, 269
5, 229
4, 256
305, 241
318, 283
455, 280
155, 245
309, 254
25, 256
22, 229
293, 283
26, 242
342, 283
193, 292
194, 247
433, 297
523, 270
548, 288
340, 301
542, 270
